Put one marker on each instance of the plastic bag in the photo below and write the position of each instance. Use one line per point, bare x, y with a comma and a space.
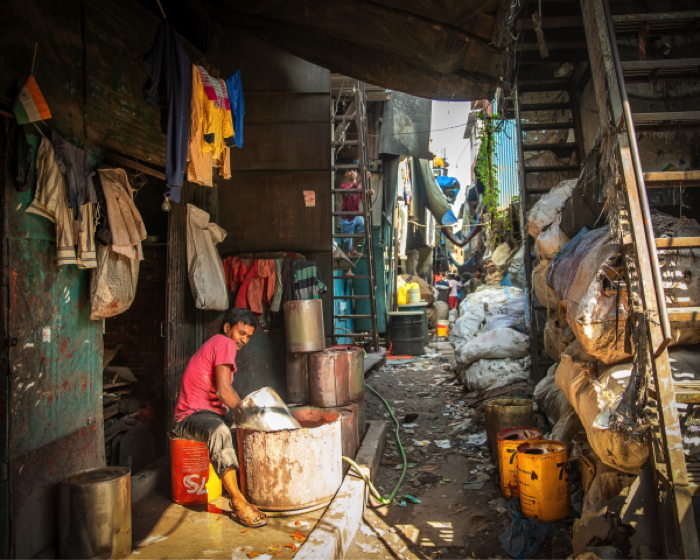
557, 337
498, 343
500, 257
465, 328
551, 240
517, 268
112, 284
591, 395
549, 207
487, 374
543, 292
494, 297
507, 314
551, 399
204, 265
561, 272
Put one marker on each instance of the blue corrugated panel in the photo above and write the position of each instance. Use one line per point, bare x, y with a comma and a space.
342, 307
506, 160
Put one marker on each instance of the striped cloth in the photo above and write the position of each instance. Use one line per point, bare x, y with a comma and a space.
30, 104
307, 280
51, 202
214, 89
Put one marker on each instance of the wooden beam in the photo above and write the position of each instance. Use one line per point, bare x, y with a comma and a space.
665, 116
665, 64
136, 165
666, 179
677, 242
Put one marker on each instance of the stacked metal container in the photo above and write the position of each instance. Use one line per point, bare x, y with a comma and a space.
324, 378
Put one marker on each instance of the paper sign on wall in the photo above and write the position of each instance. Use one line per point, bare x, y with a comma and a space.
310, 198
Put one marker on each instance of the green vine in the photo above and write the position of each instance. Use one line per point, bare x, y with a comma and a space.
487, 171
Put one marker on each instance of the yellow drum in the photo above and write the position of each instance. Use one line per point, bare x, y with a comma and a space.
508, 441
543, 481
443, 328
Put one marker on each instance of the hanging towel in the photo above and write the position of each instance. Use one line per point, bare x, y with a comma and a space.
215, 89
307, 280
169, 87
234, 87
125, 223
75, 165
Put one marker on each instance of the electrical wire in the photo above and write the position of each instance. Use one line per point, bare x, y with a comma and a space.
373, 490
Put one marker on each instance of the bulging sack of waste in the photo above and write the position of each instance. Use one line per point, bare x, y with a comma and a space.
493, 297
597, 307
112, 283
498, 343
517, 268
561, 415
549, 207
543, 292
595, 398
466, 327
551, 241
557, 336
485, 374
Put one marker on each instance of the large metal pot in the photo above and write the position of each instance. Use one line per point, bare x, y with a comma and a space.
264, 410
303, 321
292, 470
298, 378
355, 356
95, 514
328, 378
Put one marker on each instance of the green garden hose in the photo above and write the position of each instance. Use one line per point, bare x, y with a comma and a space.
354, 465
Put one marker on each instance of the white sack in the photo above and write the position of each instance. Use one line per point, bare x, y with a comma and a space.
204, 265
484, 375
443, 310
549, 207
500, 255
112, 283
551, 240
594, 397
498, 343
551, 399
494, 297
465, 328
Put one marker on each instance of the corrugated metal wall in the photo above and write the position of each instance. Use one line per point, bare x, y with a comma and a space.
506, 159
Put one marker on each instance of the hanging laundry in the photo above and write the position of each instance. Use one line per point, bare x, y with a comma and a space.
279, 288
113, 284
307, 280
204, 266
75, 165
103, 235
30, 105
234, 87
253, 281
199, 163
51, 202
18, 153
169, 87
217, 125
125, 221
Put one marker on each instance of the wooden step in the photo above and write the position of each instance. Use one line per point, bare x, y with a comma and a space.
352, 316
345, 143
546, 126
349, 235
666, 243
693, 470
666, 179
666, 117
553, 147
550, 168
663, 65
669, 23
346, 191
345, 117
545, 106
683, 314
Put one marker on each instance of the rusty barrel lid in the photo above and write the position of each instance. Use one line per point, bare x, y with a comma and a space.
521, 433
542, 447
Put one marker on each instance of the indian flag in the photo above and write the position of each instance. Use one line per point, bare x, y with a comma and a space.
30, 105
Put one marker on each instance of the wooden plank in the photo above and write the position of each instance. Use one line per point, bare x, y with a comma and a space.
557, 22
664, 64
546, 126
538, 147
668, 179
544, 106
551, 168
683, 314
667, 116
662, 17
677, 242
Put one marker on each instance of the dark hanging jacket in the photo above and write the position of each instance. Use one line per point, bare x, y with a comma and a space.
169, 87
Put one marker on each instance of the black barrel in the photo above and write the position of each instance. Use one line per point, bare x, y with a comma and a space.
415, 308
406, 333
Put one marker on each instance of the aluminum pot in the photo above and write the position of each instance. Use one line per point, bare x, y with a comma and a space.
328, 378
303, 321
355, 355
264, 410
298, 378
95, 514
292, 471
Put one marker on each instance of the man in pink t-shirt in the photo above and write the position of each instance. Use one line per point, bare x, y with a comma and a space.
206, 395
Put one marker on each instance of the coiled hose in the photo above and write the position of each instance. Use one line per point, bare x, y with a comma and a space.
355, 466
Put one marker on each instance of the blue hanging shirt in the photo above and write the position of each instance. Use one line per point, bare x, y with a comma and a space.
234, 87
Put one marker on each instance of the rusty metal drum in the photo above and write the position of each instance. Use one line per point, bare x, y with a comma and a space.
297, 378
328, 378
355, 355
292, 471
303, 321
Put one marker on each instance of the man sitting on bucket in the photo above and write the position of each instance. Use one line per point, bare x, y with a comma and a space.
206, 394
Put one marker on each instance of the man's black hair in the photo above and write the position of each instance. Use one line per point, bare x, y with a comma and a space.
239, 315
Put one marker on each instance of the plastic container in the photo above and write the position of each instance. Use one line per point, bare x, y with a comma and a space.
193, 479
443, 328
508, 442
543, 482
402, 296
413, 296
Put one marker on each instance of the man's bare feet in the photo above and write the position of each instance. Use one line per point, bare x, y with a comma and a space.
354, 254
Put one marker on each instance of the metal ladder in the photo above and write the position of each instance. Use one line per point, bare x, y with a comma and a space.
674, 485
529, 194
355, 113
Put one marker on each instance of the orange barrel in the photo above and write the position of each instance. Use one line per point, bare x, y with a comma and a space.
194, 480
508, 441
543, 481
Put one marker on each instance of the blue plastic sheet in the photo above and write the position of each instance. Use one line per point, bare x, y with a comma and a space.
524, 537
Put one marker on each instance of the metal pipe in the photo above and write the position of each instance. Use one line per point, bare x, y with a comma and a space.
641, 188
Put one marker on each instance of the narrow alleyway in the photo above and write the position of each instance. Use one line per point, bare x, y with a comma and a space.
458, 516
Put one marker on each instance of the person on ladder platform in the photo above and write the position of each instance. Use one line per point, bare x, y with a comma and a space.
352, 224
206, 395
